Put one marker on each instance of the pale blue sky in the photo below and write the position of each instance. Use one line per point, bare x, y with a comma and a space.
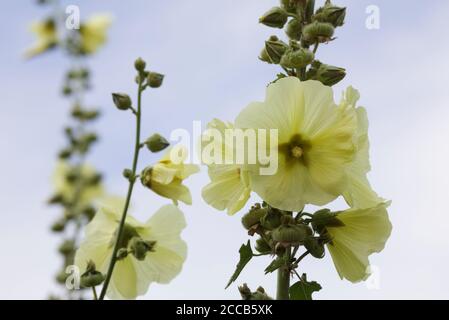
208, 50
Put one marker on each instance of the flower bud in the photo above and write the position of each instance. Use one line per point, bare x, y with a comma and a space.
262, 246
140, 64
128, 173
122, 253
65, 154
56, 199
272, 219
264, 56
331, 14
61, 277
92, 277
156, 143
323, 218
326, 74
318, 32
122, 101
297, 58
145, 177
275, 49
289, 5
67, 247
58, 226
139, 247
155, 79
294, 29
275, 18
315, 247
291, 234
253, 217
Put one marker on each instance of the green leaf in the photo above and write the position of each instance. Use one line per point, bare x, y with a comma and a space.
303, 290
246, 253
275, 264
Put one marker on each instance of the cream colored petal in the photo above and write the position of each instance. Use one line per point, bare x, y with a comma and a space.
283, 109
358, 193
332, 150
97, 242
290, 188
365, 231
124, 281
160, 266
163, 174
174, 190
165, 227
227, 190
187, 170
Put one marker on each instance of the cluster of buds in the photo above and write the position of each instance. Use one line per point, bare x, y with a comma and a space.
304, 27
280, 230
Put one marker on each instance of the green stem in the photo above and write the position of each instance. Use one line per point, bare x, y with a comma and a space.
95, 293
128, 196
283, 281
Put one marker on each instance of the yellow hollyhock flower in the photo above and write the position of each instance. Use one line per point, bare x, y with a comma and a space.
315, 143
166, 176
67, 188
47, 37
93, 32
229, 187
358, 192
364, 232
132, 276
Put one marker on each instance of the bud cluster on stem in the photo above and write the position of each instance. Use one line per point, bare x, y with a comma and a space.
304, 28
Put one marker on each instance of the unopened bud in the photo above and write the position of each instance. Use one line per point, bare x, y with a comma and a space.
275, 49
331, 14
67, 247
139, 247
122, 101
318, 32
155, 79
128, 174
253, 217
145, 177
264, 56
275, 18
315, 247
326, 74
58, 226
262, 246
291, 234
325, 218
91, 277
122, 253
156, 143
294, 29
140, 64
297, 58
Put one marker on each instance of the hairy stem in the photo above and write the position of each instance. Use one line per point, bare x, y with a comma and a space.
283, 281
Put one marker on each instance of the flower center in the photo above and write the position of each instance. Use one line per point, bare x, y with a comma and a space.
297, 152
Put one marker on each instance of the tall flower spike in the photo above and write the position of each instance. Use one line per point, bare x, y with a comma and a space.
229, 187
133, 275
166, 176
315, 144
364, 232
